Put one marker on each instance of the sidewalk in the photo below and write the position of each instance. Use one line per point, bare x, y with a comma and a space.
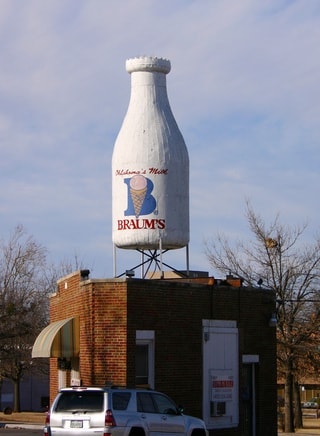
30, 420
301, 432
18, 425
33, 420
311, 428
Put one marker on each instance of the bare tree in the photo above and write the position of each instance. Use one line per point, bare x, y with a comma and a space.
277, 259
23, 302
26, 280
55, 271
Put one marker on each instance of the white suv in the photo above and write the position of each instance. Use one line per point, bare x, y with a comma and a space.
118, 412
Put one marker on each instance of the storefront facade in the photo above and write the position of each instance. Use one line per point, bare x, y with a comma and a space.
206, 343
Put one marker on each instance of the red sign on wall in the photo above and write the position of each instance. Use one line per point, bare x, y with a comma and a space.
222, 383
222, 388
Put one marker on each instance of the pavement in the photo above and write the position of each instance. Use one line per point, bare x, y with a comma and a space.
19, 425
311, 427
301, 432
35, 421
27, 420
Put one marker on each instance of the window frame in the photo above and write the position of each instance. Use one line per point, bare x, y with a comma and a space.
147, 337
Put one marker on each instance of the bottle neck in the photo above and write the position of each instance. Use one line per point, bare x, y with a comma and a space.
149, 92
145, 78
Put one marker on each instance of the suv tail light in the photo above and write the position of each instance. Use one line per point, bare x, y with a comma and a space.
46, 423
109, 421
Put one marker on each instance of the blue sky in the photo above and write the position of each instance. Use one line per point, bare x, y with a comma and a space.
244, 89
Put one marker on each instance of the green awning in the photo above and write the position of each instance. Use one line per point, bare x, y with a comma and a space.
58, 339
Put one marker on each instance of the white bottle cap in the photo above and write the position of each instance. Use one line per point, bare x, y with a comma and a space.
148, 63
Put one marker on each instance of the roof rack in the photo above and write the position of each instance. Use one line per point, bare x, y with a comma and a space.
109, 385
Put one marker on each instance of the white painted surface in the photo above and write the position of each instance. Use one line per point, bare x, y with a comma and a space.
150, 165
220, 373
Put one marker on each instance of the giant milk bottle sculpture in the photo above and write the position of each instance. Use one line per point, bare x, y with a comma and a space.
150, 166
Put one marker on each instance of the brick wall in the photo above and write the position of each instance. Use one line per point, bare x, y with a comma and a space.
111, 311
101, 308
67, 302
175, 312
109, 317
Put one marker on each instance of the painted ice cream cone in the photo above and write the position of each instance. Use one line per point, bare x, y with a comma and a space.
138, 190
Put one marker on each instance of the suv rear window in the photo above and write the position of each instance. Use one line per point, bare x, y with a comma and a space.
120, 400
84, 401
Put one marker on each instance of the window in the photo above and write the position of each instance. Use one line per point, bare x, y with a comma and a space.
145, 403
120, 400
164, 404
142, 367
145, 358
80, 401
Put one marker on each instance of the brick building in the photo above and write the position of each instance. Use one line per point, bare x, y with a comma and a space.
206, 343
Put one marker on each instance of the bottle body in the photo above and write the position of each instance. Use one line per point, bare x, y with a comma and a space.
150, 166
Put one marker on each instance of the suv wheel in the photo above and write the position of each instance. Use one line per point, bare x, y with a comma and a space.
198, 432
137, 431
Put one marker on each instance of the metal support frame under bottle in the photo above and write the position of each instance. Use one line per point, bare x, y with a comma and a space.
150, 258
